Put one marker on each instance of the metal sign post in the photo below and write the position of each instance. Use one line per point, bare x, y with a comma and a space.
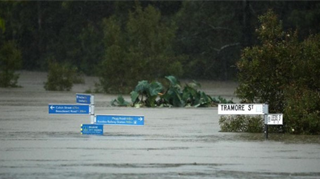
265, 126
87, 99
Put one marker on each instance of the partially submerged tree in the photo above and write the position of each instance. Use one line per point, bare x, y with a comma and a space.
283, 72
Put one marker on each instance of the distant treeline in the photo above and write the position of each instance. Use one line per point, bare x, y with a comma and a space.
205, 38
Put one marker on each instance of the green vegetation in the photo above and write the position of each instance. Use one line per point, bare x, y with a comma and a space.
10, 61
203, 38
61, 77
241, 123
284, 73
154, 94
142, 49
302, 95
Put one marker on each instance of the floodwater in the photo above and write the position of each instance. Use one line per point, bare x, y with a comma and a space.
173, 143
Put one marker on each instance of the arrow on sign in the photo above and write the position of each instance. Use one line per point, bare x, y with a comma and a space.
69, 109
119, 120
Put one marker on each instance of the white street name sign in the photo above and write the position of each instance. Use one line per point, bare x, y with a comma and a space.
242, 109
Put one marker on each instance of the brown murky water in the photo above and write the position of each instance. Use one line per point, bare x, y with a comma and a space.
173, 143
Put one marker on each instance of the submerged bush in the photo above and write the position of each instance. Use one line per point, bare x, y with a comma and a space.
61, 77
241, 123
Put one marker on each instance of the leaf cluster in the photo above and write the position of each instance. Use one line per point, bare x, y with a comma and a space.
155, 94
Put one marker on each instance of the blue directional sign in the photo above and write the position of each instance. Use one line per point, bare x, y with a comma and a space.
92, 129
69, 109
119, 120
83, 98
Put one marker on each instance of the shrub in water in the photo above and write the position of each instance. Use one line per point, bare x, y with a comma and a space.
155, 94
60, 77
241, 123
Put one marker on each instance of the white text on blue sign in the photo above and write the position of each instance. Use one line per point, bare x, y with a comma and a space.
83, 98
68, 109
119, 120
92, 129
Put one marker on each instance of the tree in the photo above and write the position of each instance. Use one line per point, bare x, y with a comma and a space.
302, 95
10, 61
263, 69
210, 34
283, 72
139, 49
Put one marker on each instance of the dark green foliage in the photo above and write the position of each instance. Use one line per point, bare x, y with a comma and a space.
241, 123
61, 77
155, 94
141, 48
302, 112
148, 93
284, 73
302, 96
209, 34
2, 25
206, 35
10, 61
264, 70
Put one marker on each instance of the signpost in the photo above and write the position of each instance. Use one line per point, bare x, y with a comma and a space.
86, 99
69, 109
86, 106
92, 129
119, 120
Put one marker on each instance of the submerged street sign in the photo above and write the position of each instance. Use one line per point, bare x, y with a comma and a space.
119, 120
92, 129
69, 109
238, 109
84, 98
275, 119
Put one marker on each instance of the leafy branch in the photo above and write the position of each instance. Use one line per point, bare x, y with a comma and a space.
154, 94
